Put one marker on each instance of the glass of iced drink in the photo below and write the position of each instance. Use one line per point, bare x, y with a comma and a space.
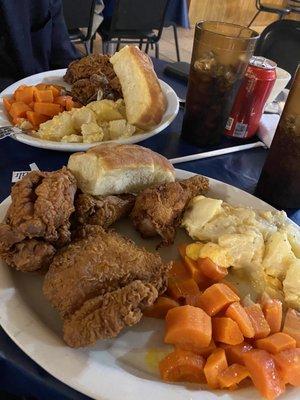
279, 183
221, 53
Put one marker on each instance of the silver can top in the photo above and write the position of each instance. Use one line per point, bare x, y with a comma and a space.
262, 62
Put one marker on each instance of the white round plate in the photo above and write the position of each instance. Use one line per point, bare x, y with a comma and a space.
56, 77
112, 369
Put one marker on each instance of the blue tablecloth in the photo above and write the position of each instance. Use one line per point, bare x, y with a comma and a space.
18, 373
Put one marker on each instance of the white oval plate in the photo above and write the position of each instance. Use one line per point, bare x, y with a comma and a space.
112, 369
56, 77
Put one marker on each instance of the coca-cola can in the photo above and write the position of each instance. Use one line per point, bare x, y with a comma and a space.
251, 98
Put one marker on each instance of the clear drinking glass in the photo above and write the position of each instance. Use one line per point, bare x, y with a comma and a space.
221, 53
279, 183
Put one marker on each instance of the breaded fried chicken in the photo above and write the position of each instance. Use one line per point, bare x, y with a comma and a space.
96, 263
105, 316
42, 203
102, 210
158, 210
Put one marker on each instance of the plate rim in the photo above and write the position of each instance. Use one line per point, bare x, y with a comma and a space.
73, 147
181, 391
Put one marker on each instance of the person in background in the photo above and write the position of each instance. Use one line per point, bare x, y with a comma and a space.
33, 38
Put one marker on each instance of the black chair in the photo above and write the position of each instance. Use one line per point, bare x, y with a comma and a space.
80, 14
270, 8
134, 21
280, 43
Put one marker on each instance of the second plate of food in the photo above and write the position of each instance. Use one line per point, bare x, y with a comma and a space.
55, 77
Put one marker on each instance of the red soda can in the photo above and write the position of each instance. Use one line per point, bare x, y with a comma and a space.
251, 98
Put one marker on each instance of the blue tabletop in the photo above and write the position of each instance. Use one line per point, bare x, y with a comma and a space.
18, 373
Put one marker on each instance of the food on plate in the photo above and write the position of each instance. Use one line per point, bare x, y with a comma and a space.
102, 210
98, 121
31, 106
115, 168
288, 364
92, 74
291, 325
105, 264
37, 221
144, 100
158, 209
261, 245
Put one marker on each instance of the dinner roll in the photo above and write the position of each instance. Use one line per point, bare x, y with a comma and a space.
112, 168
144, 100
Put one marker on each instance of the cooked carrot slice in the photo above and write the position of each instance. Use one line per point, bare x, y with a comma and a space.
264, 374
203, 351
61, 100
230, 285
258, 321
211, 269
18, 109
179, 270
160, 308
226, 330
49, 109
182, 366
217, 297
182, 250
288, 364
276, 343
25, 95
35, 118
215, 364
235, 353
43, 96
272, 310
232, 376
193, 300
188, 325
69, 104
7, 102
180, 288
56, 90
292, 325
237, 312
196, 273
42, 86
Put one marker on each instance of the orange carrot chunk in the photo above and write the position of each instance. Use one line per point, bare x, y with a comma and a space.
237, 312
235, 353
202, 351
182, 250
258, 321
43, 96
7, 102
232, 376
179, 270
187, 325
18, 110
182, 366
292, 325
56, 90
49, 109
160, 308
215, 364
264, 374
288, 364
35, 118
217, 297
276, 343
230, 285
25, 94
195, 272
180, 288
211, 269
226, 330
193, 300
272, 310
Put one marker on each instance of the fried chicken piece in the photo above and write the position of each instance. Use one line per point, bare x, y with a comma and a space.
29, 255
105, 316
102, 210
42, 203
96, 263
158, 210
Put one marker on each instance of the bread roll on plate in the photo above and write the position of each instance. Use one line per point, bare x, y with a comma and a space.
112, 168
144, 100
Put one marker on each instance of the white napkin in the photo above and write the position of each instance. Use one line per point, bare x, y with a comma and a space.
267, 128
